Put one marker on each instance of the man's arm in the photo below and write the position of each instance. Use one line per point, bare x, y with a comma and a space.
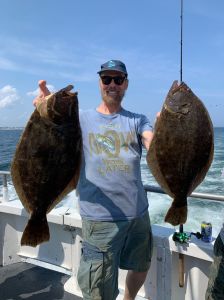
148, 135
147, 138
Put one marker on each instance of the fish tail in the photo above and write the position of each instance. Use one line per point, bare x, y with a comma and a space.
36, 231
177, 214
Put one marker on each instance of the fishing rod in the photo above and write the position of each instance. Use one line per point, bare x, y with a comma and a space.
181, 227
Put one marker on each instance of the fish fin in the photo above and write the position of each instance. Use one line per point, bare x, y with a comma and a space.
173, 88
176, 215
36, 232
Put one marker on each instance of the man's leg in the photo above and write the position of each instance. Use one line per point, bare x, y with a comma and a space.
134, 281
136, 255
101, 247
215, 289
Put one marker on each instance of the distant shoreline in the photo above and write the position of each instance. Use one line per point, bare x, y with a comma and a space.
12, 128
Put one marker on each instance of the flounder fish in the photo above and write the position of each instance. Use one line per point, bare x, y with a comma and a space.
47, 160
182, 148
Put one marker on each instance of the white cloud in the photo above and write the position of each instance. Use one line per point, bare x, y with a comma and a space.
36, 92
8, 95
57, 58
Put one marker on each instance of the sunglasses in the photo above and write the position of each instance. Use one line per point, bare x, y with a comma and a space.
117, 79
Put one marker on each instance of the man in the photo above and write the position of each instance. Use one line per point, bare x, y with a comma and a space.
113, 204
215, 289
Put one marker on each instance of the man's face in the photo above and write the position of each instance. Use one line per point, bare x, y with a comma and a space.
113, 91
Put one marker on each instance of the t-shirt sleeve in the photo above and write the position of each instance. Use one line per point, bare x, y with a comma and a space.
144, 124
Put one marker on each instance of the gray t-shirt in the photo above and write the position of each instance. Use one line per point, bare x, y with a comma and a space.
110, 186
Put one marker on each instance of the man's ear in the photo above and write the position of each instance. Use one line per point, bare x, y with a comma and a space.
127, 82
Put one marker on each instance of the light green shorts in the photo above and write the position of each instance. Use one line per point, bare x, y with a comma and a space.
108, 246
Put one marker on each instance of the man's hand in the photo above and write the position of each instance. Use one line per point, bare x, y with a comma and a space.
43, 92
158, 115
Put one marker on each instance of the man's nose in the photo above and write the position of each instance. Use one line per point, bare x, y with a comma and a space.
112, 83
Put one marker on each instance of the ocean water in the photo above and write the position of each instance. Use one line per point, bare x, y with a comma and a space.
198, 210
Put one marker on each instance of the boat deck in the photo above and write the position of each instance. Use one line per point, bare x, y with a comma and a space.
26, 281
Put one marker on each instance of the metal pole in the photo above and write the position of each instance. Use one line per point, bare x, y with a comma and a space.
5, 189
181, 262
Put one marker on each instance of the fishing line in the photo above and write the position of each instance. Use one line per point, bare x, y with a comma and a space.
181, 41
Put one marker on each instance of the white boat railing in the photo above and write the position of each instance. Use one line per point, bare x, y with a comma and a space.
5, 193
148, 188
205, 196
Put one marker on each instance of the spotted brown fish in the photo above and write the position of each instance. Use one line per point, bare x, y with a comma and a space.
47, 160
182, 148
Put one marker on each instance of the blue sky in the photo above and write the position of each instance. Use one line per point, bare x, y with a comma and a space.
65, 42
